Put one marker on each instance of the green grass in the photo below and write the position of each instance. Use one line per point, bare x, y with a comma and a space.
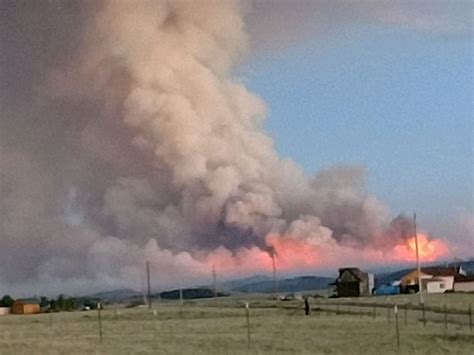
219, 327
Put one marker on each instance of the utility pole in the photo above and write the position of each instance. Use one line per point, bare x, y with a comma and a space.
275, 285
148, 284
145, 300
420, 286
214, 280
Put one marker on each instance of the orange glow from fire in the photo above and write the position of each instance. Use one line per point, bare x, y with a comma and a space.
429, 249
291, 253
299, 255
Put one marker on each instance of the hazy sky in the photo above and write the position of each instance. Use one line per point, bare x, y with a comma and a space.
388, 88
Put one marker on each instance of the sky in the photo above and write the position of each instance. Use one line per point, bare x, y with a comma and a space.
397, 100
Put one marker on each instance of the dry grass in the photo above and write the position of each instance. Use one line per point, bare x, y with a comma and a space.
454, 301
208, 327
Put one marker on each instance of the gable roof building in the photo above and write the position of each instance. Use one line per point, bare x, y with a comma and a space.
352, 282
434, 279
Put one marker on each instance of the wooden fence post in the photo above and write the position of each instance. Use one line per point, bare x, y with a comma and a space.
247, 312
388, 314
423, 312
374, 314
445, 318
470, 318
337, 309
99, 318
397, 329
406, 314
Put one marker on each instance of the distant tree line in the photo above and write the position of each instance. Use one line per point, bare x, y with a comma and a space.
61, 303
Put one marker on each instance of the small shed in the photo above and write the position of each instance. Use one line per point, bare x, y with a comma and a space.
352, 282
4, 311
23, 307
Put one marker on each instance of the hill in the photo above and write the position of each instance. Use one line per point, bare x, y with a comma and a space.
188, 294
296, 284
117, 296
233, 285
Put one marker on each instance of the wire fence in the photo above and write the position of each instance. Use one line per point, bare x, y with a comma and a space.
407, 312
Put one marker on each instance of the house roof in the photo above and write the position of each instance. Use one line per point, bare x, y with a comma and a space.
353, 272
27, 301
463, 278
440, 271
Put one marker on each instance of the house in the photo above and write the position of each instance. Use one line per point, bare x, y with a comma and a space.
352, 282
409, 282
463, 283
25, 307
434, 279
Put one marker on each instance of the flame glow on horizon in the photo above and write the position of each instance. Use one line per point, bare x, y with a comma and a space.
429, 249
293, 255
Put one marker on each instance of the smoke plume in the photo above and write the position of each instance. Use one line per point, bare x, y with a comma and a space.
126, 137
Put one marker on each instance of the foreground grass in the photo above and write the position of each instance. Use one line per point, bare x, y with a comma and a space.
221, 328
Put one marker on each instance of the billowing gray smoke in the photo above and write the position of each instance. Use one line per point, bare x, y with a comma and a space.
124, 136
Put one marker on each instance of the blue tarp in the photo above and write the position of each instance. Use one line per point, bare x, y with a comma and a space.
387, 290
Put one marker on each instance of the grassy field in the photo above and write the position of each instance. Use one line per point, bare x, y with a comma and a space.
220, 327
454, 301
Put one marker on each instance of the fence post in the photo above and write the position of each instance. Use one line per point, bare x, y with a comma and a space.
247, 312
388, 314
424, 315
99, 318
116, 311
374, 314
406, 314
337, 309
397, 329
470, 318
445, 318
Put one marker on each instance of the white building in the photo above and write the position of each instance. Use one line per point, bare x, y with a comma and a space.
464, 283
434, 279
438, 284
